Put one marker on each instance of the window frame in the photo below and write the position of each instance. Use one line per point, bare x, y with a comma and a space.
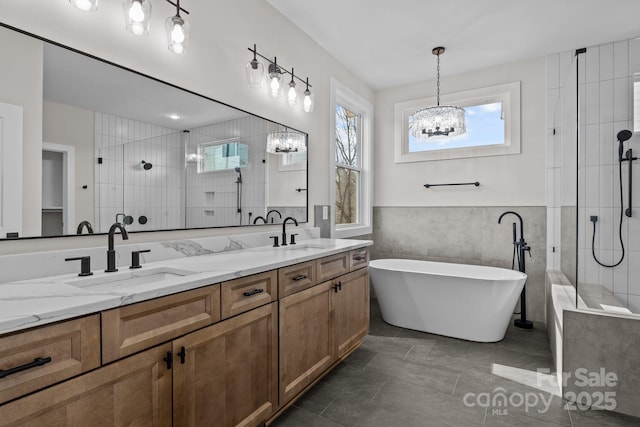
347, 98
508, 94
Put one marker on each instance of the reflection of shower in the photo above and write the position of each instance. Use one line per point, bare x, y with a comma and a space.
622, 136
146, 165
239, 193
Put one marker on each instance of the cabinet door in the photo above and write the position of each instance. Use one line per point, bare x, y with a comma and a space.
307, 344
133, 391
352, 309
228, 373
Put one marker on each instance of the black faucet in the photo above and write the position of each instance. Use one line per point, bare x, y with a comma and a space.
269, 213
255, 221
83, 224
111, 253
521, 247
284, 229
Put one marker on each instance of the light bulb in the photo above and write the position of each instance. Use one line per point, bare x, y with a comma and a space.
137, 29
85, 5
275, 86
292, 95
136, 14
177, 34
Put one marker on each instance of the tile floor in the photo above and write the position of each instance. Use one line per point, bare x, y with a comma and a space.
400, 377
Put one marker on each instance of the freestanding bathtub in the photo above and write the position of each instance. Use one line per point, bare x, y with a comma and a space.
471, 302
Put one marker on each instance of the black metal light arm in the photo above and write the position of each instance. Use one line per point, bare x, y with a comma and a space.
280, 67
177, 5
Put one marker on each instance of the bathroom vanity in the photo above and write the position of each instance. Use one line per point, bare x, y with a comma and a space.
235, 339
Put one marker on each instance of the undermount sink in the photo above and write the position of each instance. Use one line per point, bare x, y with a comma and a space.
308, 246
131, 278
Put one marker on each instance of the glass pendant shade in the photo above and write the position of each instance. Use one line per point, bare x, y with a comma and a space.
438, 121
86, 5
177, 34
307, 102
137, 15
285, 142
292, 93
275, 81
255, 73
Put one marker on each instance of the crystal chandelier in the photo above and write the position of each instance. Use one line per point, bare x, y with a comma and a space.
440, 120
286, 141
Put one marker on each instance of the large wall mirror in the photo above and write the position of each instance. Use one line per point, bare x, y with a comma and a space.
121, 146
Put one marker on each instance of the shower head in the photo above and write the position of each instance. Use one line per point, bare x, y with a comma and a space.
624, 135
146, 165
237, 169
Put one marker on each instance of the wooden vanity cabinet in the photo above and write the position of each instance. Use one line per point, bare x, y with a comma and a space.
227, 374
320, 325
133, 391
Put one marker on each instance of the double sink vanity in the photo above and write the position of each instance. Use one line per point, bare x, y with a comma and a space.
222, 339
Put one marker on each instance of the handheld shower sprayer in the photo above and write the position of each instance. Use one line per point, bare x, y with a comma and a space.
239, 181
623, 135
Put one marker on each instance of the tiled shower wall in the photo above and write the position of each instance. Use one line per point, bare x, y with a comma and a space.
605, 79
122, 183
212, 196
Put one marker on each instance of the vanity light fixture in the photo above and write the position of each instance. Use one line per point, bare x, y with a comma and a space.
307, 103
86, 5
292, 93
440, 120
287, 141
275, 79
137, 15
255, 70
177, 30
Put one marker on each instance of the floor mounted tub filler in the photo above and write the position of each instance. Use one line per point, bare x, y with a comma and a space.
470, 302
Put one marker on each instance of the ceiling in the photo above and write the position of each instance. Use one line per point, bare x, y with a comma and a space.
388, 43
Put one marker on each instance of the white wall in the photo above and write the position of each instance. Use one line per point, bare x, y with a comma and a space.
509, 180
67, 125
214, 65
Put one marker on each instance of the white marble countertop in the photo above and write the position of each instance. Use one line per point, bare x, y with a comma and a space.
34, 302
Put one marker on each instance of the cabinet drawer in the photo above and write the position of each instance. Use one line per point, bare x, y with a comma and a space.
135, 327
332, 266
243, 294
48, 355
358, 258
296, 277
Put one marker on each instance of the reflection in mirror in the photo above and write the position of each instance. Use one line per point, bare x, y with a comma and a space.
118, 145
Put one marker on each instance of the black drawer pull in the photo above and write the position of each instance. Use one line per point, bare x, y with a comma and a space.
300, 277
360, 257
253, 292
38, 361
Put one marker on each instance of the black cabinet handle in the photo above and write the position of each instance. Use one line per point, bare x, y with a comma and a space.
335, 288
339, 286
169, 360
360, 258
300, 277
38, 361
182, 354
253, 292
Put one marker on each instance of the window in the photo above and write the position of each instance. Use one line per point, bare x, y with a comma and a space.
350, 166
216, 157
492, 118
636, 102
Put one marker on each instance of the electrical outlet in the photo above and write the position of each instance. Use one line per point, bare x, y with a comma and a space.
594, 218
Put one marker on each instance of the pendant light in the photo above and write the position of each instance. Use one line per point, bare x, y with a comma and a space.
439, 121
177, 32
275, 79
137, 15
292, 93
86, 5
307, 103
255, 71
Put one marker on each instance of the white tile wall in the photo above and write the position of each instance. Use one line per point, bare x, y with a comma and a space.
605, 108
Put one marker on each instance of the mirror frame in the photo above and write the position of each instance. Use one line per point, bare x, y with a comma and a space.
122, 67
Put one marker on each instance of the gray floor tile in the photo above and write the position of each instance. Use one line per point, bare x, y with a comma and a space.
400, 377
